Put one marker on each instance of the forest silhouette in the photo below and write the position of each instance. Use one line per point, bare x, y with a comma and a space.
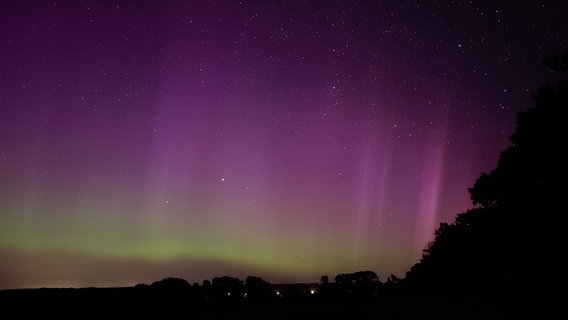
500, 259
509, 243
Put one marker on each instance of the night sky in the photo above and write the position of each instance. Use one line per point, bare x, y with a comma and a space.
284, 139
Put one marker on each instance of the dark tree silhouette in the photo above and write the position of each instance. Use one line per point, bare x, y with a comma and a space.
357, 285
171, 284
257, 289
393, 279
510, 241
227, 288
356, 277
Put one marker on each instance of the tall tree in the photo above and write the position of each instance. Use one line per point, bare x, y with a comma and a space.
510, 241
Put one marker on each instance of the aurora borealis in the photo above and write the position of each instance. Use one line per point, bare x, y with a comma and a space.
285, 139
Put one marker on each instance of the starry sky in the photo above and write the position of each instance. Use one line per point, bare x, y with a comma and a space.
285, 139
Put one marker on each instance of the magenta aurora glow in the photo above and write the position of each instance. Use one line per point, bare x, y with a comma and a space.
285, 139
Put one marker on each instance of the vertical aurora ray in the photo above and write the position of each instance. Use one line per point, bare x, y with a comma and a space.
429, 193
371, 189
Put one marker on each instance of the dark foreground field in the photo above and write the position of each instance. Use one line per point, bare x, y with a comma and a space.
129, 303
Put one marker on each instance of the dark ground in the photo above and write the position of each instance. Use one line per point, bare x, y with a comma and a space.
121, 303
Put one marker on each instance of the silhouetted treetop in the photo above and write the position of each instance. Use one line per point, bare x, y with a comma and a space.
257, 288
226, 281
171, 284
356, 277
514, 231
530, 169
